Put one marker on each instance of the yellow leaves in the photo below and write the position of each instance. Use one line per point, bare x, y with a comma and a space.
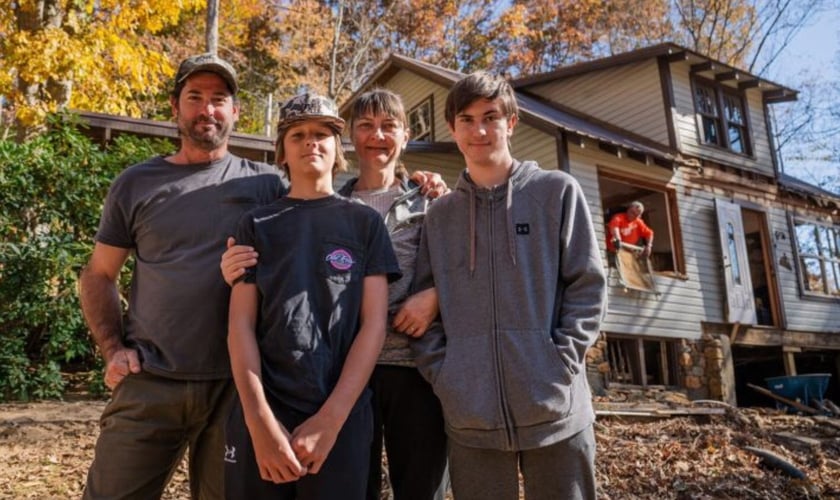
90, 56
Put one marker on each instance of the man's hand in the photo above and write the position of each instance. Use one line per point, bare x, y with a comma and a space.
119, 364
273, 451
431, 183
235, 260
616, 242
418, 312
646, 251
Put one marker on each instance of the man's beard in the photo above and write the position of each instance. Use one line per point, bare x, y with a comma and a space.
207, 141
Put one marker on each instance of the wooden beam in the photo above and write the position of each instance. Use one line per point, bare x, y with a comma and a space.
750, 84
677, 56
790, 363
728, 75
705, 66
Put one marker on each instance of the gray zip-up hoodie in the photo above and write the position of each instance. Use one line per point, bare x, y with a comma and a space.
522, 291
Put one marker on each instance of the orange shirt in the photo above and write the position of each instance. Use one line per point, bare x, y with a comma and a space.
630, 232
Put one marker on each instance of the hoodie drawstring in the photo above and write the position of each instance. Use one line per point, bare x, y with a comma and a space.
511, 233
472, 231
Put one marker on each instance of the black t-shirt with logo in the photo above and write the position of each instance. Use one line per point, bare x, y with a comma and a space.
314, 256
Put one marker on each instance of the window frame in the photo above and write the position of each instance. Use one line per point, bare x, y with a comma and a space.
427, 135
801, 269
721, 119
671, 205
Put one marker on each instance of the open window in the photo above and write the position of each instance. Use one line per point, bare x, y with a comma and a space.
818, 258
660, 214
421, 121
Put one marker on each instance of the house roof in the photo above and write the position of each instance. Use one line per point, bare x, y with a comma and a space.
545, 116
816, 194
773, 92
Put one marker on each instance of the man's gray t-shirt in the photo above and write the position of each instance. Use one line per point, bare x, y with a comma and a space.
176, 219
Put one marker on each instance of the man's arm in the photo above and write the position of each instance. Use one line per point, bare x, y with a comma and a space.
272, 442
101, 307
581, 296
315, 437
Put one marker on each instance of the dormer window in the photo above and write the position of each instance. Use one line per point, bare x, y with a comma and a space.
421, 121
722, 115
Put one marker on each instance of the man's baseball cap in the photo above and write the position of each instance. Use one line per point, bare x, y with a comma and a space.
207, 62
309, 106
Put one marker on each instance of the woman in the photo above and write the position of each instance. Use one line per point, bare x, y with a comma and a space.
306, 325
407, 414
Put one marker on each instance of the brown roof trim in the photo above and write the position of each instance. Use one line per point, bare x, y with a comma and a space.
774, 92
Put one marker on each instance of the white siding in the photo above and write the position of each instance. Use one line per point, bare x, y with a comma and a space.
687, 124
628, 96
683, 303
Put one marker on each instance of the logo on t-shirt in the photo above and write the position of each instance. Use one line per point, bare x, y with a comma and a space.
340, 259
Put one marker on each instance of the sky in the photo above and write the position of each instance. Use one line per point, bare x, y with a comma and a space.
816, 51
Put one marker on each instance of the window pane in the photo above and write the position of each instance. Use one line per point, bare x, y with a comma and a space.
833, 280
704, 100
812, 275
420, 122
735, 268
806, 238
732, 110
710, 130
736, 142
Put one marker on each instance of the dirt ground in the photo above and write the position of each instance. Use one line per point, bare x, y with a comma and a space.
47, 447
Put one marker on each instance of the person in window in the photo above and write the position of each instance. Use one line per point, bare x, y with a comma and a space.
628, 227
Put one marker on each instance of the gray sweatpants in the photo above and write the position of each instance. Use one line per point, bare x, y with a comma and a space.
562, 471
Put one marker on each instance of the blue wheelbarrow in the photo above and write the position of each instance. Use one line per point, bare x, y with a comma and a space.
805, 389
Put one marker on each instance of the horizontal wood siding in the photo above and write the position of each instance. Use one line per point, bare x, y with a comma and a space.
802, 312
532, 144
687, 126
628, 96
683, 304
414, 90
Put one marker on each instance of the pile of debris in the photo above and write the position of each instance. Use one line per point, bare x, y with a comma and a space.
658, 443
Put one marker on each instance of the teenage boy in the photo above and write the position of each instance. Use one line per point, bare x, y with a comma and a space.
514, 258
306, 325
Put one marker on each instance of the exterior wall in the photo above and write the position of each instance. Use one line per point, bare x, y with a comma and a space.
687, 124
684, 302
802, 312
415, 90
628, 96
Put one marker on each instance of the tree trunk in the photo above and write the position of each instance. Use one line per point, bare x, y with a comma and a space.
211, 35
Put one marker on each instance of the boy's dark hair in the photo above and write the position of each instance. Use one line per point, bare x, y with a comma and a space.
479, 85
381, 102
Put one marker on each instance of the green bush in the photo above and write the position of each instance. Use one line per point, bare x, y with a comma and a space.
53, 187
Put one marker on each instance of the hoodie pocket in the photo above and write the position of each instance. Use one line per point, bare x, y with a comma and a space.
537, 381
468, 386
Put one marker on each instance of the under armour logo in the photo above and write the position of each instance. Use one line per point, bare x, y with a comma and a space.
230, 454
523, 229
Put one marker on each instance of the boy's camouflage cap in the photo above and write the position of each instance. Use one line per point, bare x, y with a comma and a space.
208, 62
310, 106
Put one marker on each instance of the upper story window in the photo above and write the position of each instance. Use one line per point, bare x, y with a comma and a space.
818, 252
722, 112
421, 121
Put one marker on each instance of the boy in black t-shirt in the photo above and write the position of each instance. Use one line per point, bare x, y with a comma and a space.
307, 324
